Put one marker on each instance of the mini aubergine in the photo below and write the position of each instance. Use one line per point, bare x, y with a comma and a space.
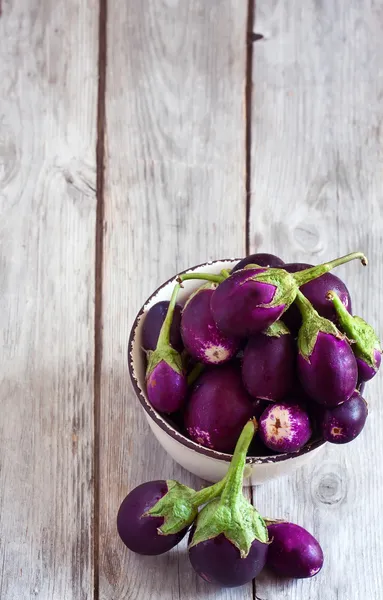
316, 292
261, 259
326, 365
345, 422
228, 544
268, 366
140, 531
293, 551
284, 427
200, 334
154, 320
166, 382
154, 516
218, 408
250, 300
366, 344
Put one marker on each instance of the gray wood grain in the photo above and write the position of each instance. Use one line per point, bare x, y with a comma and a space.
175, 196
317, 193
48, 52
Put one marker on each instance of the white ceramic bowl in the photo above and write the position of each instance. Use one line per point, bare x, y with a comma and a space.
204, 462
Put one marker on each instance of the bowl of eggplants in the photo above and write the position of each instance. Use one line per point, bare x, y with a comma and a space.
257, 338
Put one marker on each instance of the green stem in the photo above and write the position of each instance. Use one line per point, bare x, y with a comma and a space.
164, 337
346, 320
234, 478
208, 493
204, 276
304, 305
307, 275
195, 373
225, 273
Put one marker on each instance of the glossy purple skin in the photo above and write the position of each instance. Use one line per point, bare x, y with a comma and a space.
153, 322
219, 562
166, 389
365, 371
236, 304
315, 291
139, 533
293, 552
218, 409
268, 366
261, 259
344, 423
201, 336
284, 427
330, 376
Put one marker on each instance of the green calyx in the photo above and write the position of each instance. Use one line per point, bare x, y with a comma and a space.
302, 277
357, 330
164, 351
231, 514
179, 506
312, 325
277, 329
284, 283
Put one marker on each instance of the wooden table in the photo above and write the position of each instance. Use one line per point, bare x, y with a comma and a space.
137, 139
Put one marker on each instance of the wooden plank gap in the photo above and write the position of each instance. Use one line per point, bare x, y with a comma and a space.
248, 101
100, 213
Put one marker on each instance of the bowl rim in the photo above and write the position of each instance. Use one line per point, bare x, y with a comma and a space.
161, 421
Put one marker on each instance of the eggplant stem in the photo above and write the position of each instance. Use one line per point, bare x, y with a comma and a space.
204, 276
307, 275
164, 337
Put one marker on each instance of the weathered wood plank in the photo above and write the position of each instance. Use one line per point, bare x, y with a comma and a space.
175, 196
48, 52
316, 193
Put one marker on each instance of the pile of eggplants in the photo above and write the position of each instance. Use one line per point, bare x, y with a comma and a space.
267, 339
229, 541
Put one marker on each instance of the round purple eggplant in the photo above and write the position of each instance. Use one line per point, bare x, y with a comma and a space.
316, 292
138, 532
201, 336
344, 423
326, 364
219, 562
166, 382
218, 408
268, 366
260, 259
284, 427
229, 542
366, 344
293, 551
329, 374
250, 300
153, 322
166, 388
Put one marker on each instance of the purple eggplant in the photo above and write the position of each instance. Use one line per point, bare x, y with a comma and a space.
229, 543
268, 366
250, 300
166, 382
218, 408
201, 336
344, 423
366, 344
154, 320
316, 292
293, 551
139, 531
326, 364
284, 427
155, 516
260, 259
